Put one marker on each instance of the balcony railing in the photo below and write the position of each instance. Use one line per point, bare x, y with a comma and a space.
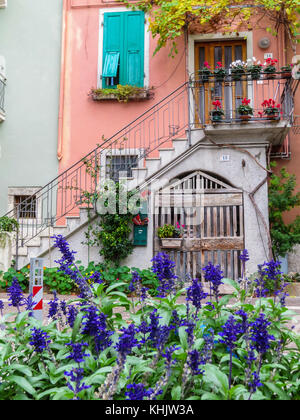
2, 96
218, 101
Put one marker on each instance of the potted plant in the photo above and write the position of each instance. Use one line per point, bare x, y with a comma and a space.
245, 110
237, 69
286, 71
254, 68
219, 72
270, 68
205, 72
217, 113
170, 236
270, 109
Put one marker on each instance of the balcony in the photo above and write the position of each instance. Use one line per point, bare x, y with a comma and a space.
221, 107
2, 95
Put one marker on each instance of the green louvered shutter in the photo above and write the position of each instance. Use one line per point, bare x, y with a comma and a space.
134, 48
112, 44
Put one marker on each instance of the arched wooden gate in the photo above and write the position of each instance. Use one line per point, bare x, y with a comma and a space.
212, 213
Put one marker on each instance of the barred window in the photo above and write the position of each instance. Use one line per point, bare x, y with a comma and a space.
26, 205
120, 166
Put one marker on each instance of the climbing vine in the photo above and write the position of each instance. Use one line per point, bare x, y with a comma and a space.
170, 18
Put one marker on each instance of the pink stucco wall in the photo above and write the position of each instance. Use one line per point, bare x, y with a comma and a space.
83, 122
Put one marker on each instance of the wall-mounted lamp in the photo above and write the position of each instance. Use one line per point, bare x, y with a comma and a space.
264, 43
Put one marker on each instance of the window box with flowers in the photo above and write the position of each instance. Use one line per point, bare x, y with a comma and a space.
170, 236
237, 69
254, 68
205, 72
217, 113
219, 72
270, 68
286, 71
271, 110
245, 111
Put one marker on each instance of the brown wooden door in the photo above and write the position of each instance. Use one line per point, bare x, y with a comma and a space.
212, 213
230, 94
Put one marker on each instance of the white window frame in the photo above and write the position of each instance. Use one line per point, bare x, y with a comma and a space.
100, 45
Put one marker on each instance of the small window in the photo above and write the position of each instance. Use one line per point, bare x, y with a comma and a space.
120, 166
26, 206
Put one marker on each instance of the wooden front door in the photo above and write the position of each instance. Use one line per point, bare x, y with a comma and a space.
212, 213
229, 93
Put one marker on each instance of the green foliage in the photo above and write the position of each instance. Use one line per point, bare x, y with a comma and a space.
168, 231
111, 232
282, 199
169, 19
8, 224
21, 275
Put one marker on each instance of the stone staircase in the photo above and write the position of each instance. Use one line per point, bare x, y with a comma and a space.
42, 244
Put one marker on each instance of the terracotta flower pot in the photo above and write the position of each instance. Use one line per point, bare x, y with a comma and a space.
245, 117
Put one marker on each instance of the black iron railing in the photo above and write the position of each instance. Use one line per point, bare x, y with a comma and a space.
187, 107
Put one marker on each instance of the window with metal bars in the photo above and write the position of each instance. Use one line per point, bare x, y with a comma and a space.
25, 206
120, 166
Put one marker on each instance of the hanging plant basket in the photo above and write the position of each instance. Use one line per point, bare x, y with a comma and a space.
171, 243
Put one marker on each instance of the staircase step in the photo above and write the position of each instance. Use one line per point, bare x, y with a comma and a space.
180, 145
167, 155
153, 165
139, 174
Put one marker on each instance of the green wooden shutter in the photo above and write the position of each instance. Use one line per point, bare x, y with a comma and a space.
134, 48
124, 34
112, 41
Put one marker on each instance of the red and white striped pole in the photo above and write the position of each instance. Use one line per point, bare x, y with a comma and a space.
36, 286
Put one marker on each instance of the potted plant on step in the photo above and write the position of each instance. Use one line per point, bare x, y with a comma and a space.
245, 111
270, 68
270, 109
217, 113
170, 236
205, 72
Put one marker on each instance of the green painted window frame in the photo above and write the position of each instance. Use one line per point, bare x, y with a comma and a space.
123, 37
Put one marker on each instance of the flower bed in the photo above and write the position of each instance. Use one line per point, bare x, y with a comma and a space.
162, 349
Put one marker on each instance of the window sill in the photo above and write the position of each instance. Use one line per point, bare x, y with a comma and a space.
143, 95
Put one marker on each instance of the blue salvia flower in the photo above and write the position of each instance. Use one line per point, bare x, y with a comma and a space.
190, 332
244, 324
254, 383
135, 280
77, 352
167, 354
29, 304
53, 306
143, 295
244, 256
1, 307
75, 383
214, 276
15, 293
71, 315
230, 332
96, 277
259, 335
137, 392
91, 321
68, 267
196, 294
102, 339
195, 359
39, 340
163, 267
127, 340
63, 307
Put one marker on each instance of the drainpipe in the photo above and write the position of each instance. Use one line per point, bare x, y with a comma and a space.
64, 38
